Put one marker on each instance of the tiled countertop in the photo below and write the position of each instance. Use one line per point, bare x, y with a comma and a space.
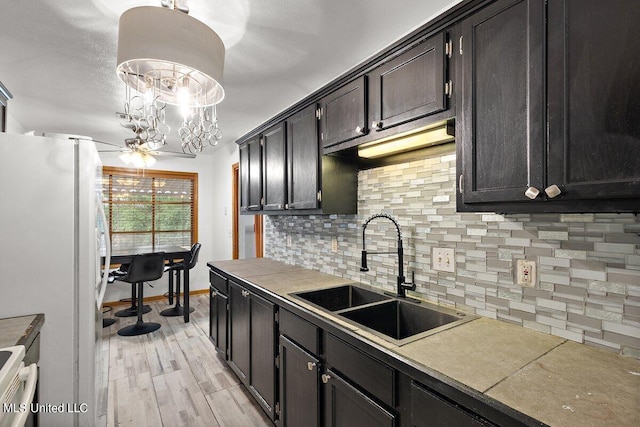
556, 381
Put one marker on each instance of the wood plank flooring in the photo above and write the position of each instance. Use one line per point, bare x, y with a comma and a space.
171, 377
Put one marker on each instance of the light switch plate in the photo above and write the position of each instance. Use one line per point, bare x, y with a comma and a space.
334, 244
443, 259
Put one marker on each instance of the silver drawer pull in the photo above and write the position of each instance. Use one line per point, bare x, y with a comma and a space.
311, 366
325, 378
532, 192
552, 191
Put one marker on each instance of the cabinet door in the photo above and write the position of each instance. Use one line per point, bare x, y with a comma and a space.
409, 86
303, 159
594, 98
501, 136
274, 148
343, 113
251, 175
239, 327
213, 316
221, 324
347, 406
299, 386
263, 353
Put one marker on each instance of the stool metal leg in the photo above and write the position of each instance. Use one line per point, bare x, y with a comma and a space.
170, 287
133, 310
176, 310
140, 327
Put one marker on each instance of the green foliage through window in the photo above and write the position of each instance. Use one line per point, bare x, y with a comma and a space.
150, 208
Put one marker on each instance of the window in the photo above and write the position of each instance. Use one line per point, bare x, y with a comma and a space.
150, 208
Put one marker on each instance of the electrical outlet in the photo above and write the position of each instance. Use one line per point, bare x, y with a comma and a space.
288, 240
443, 259
526, 272
334, 244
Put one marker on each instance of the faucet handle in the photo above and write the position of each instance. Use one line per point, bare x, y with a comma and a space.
363, 265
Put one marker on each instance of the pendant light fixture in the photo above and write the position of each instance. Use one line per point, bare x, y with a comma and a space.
167, 57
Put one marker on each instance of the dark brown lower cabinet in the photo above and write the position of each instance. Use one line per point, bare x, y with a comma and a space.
218, 320
239, 328
262, 379
252, 350
299, 386
430, 409
345, 405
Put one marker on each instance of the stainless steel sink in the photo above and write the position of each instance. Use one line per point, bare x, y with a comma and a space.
395, 320
402, 322
341, 297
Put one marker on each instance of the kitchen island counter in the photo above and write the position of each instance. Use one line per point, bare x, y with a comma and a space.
553, 380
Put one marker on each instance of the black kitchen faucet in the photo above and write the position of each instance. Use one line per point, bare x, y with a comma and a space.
402, 285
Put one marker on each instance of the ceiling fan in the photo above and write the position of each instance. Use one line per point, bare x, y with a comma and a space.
139, 153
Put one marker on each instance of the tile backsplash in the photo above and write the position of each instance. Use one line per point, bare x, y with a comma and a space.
588, 265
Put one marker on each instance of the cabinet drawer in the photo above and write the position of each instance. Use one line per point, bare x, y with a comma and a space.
219, 282
370, 374
300, 331
429, 409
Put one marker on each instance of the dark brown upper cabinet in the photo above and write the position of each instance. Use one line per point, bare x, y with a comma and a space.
500, 130
293, 177
251, 175
303, 154
343, 113
274, 166
594, 100
549, 121
409, 86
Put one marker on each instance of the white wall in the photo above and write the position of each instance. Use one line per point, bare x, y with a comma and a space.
12, 124
214, 212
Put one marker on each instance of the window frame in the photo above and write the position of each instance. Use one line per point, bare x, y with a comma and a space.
153, 174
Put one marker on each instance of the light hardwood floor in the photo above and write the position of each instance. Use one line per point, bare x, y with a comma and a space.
172, 377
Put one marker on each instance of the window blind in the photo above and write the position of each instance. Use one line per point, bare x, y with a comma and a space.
150, 207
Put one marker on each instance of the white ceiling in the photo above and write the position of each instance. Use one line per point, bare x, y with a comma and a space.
58, 56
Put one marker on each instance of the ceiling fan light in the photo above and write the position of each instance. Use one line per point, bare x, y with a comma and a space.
149, 160
126, 158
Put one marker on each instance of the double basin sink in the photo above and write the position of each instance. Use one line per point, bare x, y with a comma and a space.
395, 320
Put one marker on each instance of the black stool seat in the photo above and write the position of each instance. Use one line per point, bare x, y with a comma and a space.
177, 268
143, 268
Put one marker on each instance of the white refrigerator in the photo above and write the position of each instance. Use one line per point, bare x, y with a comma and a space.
51, 228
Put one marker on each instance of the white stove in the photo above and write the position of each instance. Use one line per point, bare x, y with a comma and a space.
17, 386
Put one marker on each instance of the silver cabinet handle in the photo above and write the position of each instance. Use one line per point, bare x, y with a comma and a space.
325, 378
552, 191
359, 130
311, 366
286, 206
376, 124
245, 293
532, 192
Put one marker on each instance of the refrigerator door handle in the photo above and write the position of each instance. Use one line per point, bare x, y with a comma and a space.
107, 258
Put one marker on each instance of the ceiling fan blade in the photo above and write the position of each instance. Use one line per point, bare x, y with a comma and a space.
173, 154
120, 150
107, 143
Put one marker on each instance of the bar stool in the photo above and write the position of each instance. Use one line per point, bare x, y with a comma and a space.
143, 268
133, 309
176, 269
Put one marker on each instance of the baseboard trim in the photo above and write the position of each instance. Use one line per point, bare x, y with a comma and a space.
151, 299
